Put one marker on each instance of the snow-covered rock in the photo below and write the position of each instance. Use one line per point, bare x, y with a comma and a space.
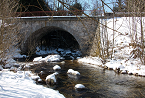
39, 81
41, 72
9, 62
121, 67
16, 65
35, 77
66, 53
72, 72
51, 79
124, 72
109, 65
53, 58
8, 65
37, 59
26, 73
18, 55
45, 51
13, 69
1, 68
79, 87
49, 58
130, 73
56, 67
141, 73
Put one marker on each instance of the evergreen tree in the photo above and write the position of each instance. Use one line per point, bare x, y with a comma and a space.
135, 5
76, 9
33, 5
119, 6
129, 6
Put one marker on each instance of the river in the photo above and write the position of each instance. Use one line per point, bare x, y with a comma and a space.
100, 83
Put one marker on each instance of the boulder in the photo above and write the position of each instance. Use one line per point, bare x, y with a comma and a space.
35, 78
72, 72
16, 65
56, 67
37, 59
1, 68
117, 70
41, 72
51, 79
80, 87
14, 69
110, 68
135, 73
40, 81
124, 72
53, 58
130, 73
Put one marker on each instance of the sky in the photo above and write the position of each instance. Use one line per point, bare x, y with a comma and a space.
110, 5
93, 3
89, 4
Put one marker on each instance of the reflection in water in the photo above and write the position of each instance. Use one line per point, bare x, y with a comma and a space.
100, 83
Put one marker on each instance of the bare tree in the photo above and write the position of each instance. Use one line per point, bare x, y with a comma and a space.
9, 26
135, 8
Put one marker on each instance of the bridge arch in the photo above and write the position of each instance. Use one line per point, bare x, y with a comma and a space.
64, 38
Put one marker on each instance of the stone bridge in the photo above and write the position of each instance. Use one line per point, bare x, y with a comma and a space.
81, 28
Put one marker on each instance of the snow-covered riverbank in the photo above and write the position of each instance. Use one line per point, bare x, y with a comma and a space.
123, 58
21, 85
131, 67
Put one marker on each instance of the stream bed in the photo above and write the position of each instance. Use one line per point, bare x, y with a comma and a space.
100, 83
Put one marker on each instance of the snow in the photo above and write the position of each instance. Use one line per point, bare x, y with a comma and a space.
71, 71
9, 62
49, 58
10, 54
115, 64
37, 59
15, 53
18, 55
0, 22
56, 67
35, 77
125, 25
20, 84
52, 76
1, 68
79, 86
126, 28
43, 52
90, 59
62, 52
133, 66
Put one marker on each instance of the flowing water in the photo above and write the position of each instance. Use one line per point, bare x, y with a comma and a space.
100, 83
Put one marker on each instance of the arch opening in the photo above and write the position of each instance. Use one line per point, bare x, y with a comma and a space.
54, 40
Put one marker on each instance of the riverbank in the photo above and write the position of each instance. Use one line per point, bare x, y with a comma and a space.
126, 32
17, 83
20, 84
131, 67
